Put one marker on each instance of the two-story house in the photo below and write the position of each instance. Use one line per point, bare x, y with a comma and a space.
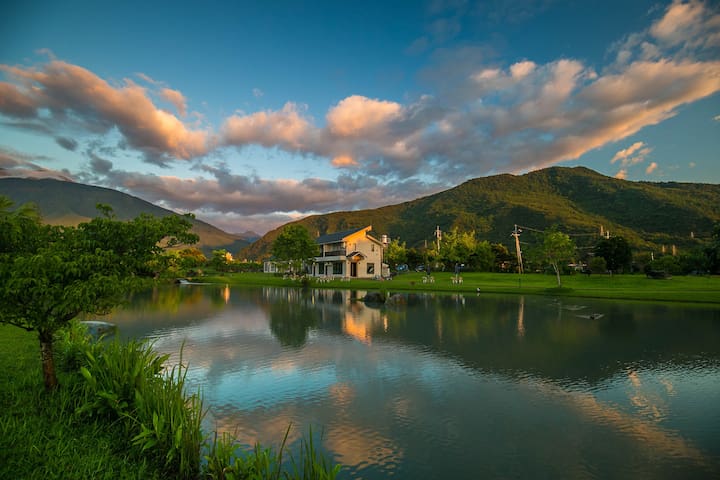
355, 253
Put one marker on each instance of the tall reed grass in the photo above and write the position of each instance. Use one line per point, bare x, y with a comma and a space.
130, 386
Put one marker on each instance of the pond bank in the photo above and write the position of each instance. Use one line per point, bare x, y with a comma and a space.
689, 289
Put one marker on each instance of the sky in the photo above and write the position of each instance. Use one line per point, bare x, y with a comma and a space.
254, 114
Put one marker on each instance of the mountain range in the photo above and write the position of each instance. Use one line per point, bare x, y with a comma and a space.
579, 201
69, 203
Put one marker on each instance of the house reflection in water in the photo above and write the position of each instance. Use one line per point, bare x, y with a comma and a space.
359, 321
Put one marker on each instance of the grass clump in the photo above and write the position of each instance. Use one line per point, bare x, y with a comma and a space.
120, 412
226, 460
41, 436
124, 383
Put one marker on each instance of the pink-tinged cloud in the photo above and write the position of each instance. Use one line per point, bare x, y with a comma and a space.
621, 174
286, 128
65, 88
176, 98
651, 168
682, 19
15, 103
344, 161
522, 69
253, 196
632, 155
358, 116
17, 164
625, 153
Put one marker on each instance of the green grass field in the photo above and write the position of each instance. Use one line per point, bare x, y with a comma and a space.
40, 436
693, 289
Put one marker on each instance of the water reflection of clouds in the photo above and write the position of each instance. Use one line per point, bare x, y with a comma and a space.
388, 404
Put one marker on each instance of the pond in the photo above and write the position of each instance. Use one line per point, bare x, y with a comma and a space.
451, 386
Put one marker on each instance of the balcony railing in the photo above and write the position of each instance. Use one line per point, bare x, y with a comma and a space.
334, 253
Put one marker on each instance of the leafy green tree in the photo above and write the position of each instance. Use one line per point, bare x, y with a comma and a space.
456, 247
192, 257
219, 260
557, 248
597, 265
483, 258
396, 253
294, 245
20, 229
58, 273
415, 257
616, 252
667, 263
503, 258
712, 252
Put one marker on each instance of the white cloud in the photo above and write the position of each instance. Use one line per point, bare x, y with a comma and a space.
634, 154
359, 116
286, 128
681, 20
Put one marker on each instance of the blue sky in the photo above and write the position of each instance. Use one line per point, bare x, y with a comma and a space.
251, 114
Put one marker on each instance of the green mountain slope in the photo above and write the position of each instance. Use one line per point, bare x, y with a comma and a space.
69, 203
578, 200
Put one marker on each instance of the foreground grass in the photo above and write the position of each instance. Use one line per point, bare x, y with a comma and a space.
691, 289
40, 436
115, 416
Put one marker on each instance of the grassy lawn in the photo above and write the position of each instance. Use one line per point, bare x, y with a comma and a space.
39, 434
700, 289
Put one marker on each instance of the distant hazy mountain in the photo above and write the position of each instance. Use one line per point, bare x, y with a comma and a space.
69, 203
578, 200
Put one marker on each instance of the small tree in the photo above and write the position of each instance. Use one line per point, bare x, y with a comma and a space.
61, 272
219, 260
616, 252
484, 256
396, 253
712, 251
503, 258
457, 246
192, 257
597, 265
295, 246
557, 248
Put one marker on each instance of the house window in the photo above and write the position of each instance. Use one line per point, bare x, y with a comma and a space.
372, 247
337, 268
371, 268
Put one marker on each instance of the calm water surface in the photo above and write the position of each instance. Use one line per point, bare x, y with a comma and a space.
445, 386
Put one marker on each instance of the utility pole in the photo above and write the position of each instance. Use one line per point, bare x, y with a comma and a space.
516, 233
438, 235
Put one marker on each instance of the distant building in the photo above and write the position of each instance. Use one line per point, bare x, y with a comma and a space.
355, 253
270, 266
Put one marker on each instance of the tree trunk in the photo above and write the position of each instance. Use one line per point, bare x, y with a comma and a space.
48, 362
557, 273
